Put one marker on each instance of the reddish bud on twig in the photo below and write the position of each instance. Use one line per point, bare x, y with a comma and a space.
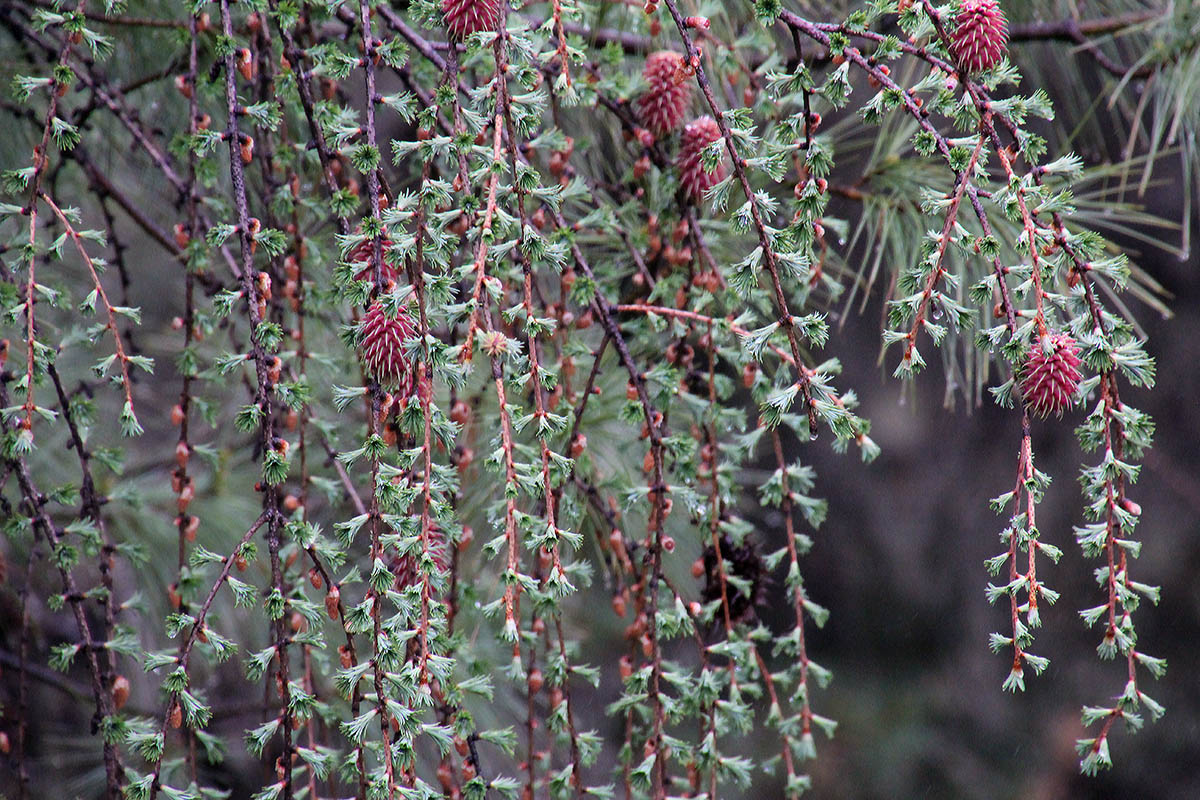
120, 692
245, 63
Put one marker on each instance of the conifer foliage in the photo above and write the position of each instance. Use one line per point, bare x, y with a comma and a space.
414, 400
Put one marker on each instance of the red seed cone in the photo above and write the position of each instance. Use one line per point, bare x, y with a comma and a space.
663, 105
1051, 375
363, 253
980, 36
464, 17
695, 180
407, 568
382, 347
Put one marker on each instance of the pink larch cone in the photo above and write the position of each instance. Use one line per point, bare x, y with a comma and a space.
694, 178
980, 35
1051, 374
382, 347
406, 568
362, 254
464, 17
665, 101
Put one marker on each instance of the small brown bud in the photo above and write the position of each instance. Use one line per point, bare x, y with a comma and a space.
641, 167
186, 493
247, 149
263, 284
445, 774
245, 63
120, 691
749, 374
625, 667
332, 599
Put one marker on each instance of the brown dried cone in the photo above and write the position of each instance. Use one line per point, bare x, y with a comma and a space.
693, 176
1050, 375
407, 568
665, 100
381, 346
743, 562
980, 36
464, 17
